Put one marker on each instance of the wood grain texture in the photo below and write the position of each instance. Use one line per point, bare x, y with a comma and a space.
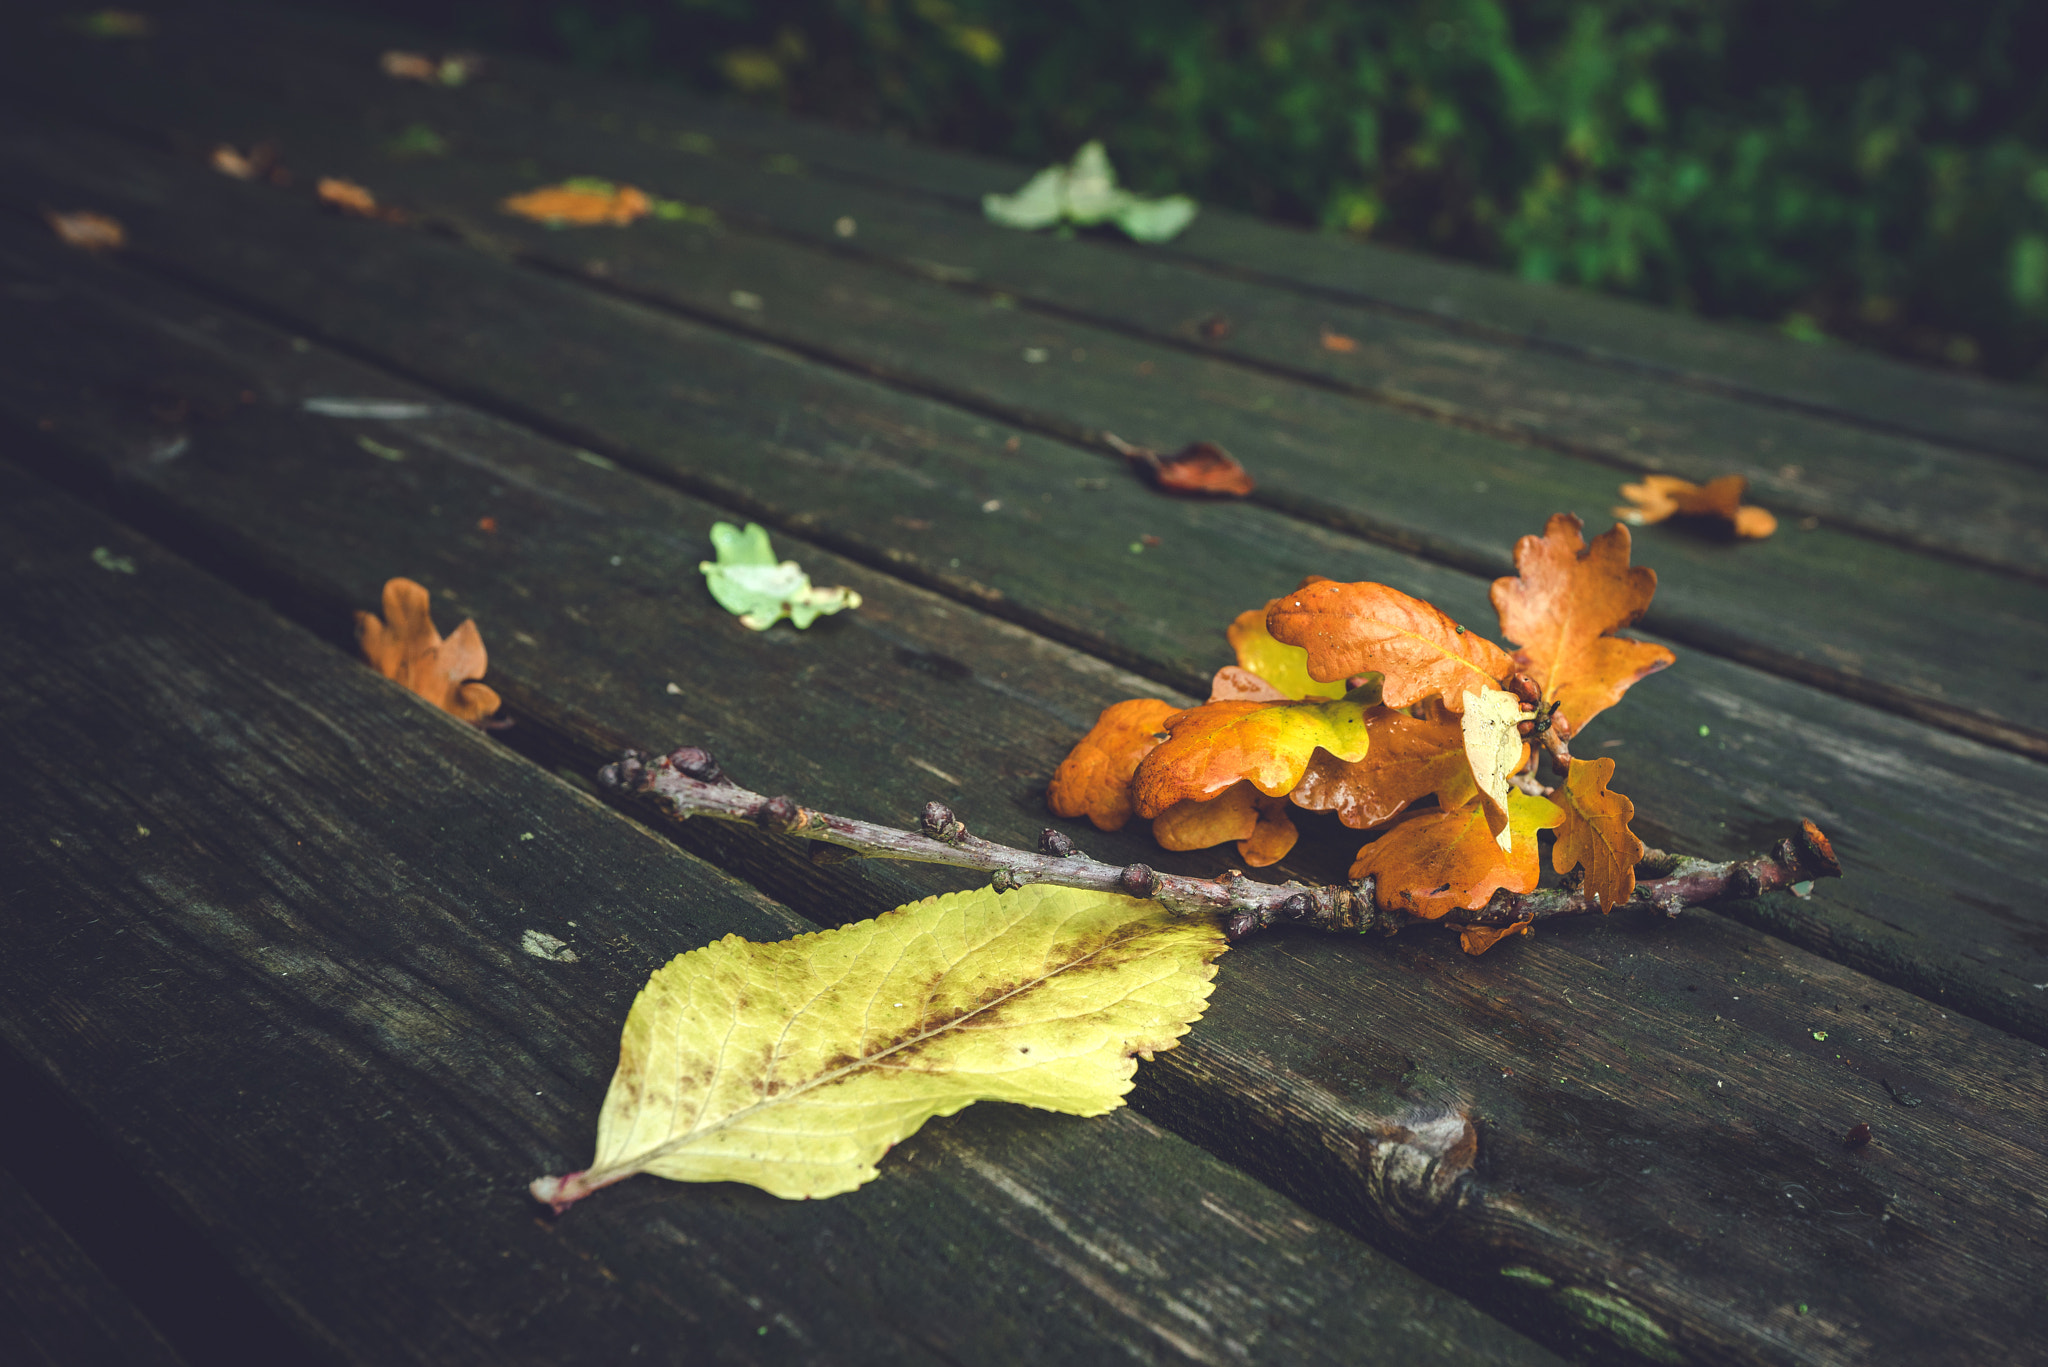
57, 1309
265, 917
1745, 360
335, 108
907, 486
1578, 1060
1940, 642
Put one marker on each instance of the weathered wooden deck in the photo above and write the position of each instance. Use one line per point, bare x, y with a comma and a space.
285, 1071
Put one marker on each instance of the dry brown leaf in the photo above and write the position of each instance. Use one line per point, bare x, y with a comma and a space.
1438, 861
1094, 780
584, 203
1564, 603
86, 230
1664, 496
347, 197
1352, 629
404, 646
1338, 342
1260, 825
230, 162
1479, 939
1409, 758
1200, 467
1595, 832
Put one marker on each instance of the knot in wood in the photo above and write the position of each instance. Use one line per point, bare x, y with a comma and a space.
1052, 842
691, 762
1137, 880
1420, 1168
941, 825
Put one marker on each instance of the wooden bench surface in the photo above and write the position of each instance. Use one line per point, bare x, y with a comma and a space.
265, 910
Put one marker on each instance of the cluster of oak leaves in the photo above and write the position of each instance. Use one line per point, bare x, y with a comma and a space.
1361, 700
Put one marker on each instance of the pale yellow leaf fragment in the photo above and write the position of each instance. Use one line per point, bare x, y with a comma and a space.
1493, 747
795, 1066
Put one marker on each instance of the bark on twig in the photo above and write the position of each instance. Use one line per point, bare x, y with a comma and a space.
690, 783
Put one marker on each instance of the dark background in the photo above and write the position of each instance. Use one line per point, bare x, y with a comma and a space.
1867, 169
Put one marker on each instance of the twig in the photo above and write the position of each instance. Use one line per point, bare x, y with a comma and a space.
690, 783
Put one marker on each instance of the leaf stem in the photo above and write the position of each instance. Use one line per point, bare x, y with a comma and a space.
689, 782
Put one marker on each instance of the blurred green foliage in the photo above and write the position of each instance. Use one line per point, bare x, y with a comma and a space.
1862, 168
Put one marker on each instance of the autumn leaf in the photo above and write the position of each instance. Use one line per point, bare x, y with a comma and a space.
1663, 496
1094, 780
1409, 758
1260, 825
404, 646
1437, 861
87, 231
1595, 832
347, 197
1493, 749
1198, 468
1351, 629
1213, 746
749, 583
1338, 342
406, 66
1283, 666
1478, 939
1563, 605
585, 202
793, 1067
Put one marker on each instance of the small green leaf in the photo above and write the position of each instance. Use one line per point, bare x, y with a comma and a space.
418, 140
107, 560
1085, 192
749, 583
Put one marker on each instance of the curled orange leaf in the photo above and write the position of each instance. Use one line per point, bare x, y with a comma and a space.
1214, 745
1094, 780
1432, 863
404, 646
1479, 939
1409, 758
1662, 496
1563, 605
1260, 825
1595, 833
585, 202
1352, 629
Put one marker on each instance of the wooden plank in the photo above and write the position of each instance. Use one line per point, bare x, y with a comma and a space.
337, 111
1936, 641
266, 920
57, 1309
1747, 361
906, 486
1667, 1124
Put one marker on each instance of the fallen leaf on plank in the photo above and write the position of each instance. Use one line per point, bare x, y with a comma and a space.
1084, 192
1660, 497
1338, 342
1213, 746
1595, 832
583, 202
1200, 467
1564, 603
347, 197
1353, 629
748, 582
794, 1067
1409, 759
1436, 861
1260, 825
1493, 747
1284, 667
454, 69
1094, 780
87, 231
403, 645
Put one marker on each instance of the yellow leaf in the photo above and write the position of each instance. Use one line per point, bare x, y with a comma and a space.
794, 1066
1283, 666
1493, 747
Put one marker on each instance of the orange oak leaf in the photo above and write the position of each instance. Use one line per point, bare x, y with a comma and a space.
1409, 758
403, 645
1595, 832
1351, 629
1260, 825
1563, 605
1479, 939
1218, 743
1200, 467
1094, 780
1432, 863
86, 230
1283, 666
345, 196
585, 202
1661, 496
